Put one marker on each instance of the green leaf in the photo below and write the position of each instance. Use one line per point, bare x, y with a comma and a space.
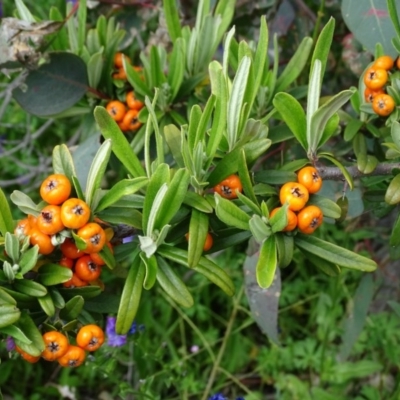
156, 72
30, 330
30, 288
120, 145
46, 302
12, 246
231, 214
275, 177
172, 284
6, 299
55, 86
171, 13
173, 138
323, 47
342, 168
321, 117
395, 235
25, 203
235, 102
392, 195
244, 176
293, 115
198, 202
295, 65
329, 251
355, 322
198, 229
328, 207
130, 296
63, 162
119, 215
9, 314
87, 292
160, 177
267, 263
173, 198
97, 170
24, 12
205, 266
259, 229
176, 67
352, 128
135, 80
6, 219
16, 333
285, 248
28, 259
151, 266
72, 309
395, 133
122, 188
53, 274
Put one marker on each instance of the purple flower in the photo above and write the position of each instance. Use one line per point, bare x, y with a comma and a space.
217, 396
10, 344
115, 340
128, 239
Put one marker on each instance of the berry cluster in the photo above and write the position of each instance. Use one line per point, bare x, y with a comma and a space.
59, 222
376, 78
126, 112
58, 347
296, 195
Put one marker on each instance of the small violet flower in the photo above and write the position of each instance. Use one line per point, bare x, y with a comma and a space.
10, 344
220, 396
114, 339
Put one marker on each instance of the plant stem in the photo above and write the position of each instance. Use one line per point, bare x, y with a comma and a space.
320, 14
220, 354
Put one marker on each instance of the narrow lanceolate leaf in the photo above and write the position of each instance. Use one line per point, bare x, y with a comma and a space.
6, 219
293, 114
198, 202
205, 266
172, 284
9, 314
342, 168
73, 308
16, 333
244, 176
392, 195
295, 65
24, 203
28, 259
235, 103
6, 299
395, 235
171, 13
177, 67
323, 46
151, 266
120, 145
329, 251
130, 297
314, 92
63, 162
267, 263
285, 248
321, 117
97, 170
31, 331
198, 230
231, 214
159, 178
173, 198
12, 246
29, 287
173, 138
47, 304
53, 274
122, 188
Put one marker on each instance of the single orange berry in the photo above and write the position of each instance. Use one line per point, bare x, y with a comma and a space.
55, 189
132, 102
23, 227
229, 187
75, 213
49, 220
295, 194
42, 240
90, 337
56, 345
309, 219
73, 357
369, 94
116, 109
69, 249
74, 282
310, 178
384, 62
118, 57
383, 105
130, 121
94, 236
96, 257
375, 78
26, 356
86, 269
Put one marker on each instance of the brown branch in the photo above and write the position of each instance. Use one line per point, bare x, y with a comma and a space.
335, 174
